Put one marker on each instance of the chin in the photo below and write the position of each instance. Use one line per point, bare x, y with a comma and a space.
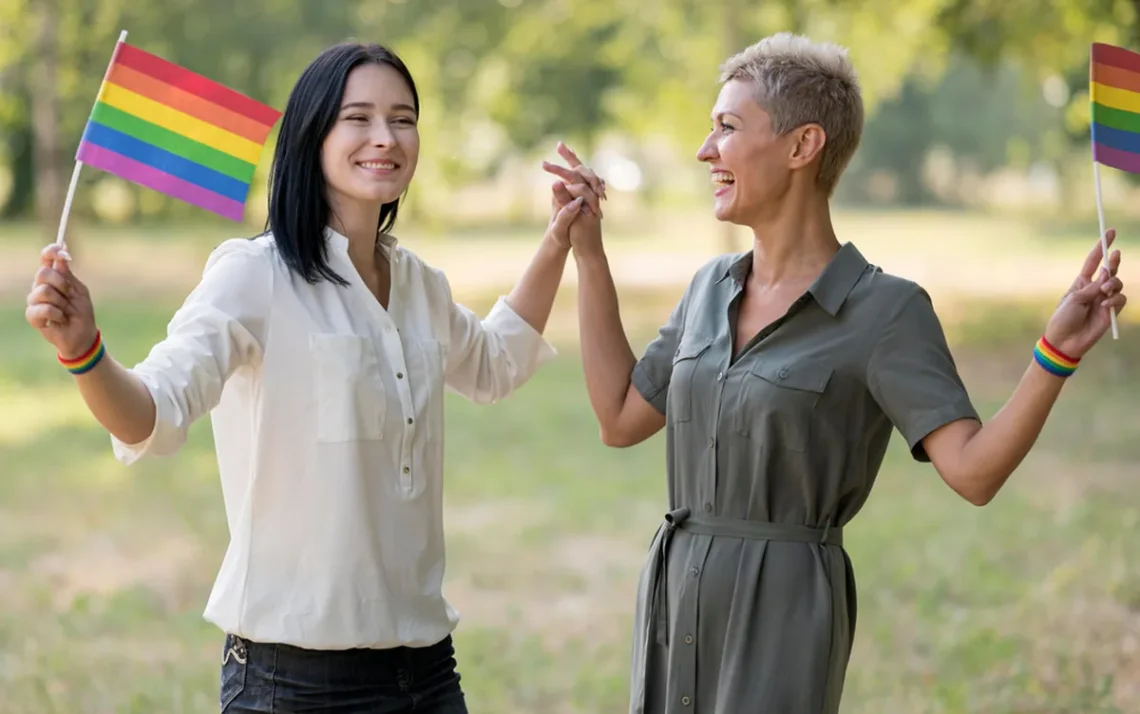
376, 195
725, 214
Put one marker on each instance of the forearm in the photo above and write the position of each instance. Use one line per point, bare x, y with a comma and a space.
533, 297
994, 451
607, 358
118, 400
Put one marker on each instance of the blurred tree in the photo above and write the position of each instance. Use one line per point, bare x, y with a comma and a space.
499, 78
1049, 42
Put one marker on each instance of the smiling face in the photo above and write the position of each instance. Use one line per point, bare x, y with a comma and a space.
751, 167
370, 154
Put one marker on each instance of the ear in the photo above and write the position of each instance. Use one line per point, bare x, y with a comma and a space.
807, 146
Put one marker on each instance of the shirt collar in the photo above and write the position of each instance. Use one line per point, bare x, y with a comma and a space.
339, 242
832, 286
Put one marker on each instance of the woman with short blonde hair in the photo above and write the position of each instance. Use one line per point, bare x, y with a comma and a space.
779, 378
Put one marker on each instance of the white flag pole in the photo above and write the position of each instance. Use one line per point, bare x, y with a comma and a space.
59, 238
1103, 238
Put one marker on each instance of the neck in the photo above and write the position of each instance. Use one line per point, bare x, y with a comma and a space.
359, 223
795, 242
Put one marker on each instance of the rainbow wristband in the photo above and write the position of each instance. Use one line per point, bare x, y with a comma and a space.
1053, 360
87, 361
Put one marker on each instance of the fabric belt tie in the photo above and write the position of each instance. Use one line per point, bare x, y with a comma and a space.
657, 615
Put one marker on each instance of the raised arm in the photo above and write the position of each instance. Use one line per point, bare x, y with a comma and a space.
976, 460
150, 408
912, 376
59, 306
489, 358
613, 374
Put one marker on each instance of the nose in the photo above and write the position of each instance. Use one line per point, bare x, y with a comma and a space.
382, 134
707, 151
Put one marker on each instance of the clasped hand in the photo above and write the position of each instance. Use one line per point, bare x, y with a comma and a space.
576, 203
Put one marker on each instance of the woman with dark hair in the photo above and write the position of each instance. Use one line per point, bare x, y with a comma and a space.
321, 349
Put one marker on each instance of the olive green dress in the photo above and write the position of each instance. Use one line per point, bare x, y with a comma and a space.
747, 599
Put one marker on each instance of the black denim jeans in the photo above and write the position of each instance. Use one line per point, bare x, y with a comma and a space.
272, 679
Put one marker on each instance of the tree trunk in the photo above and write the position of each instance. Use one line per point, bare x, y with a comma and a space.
45, 120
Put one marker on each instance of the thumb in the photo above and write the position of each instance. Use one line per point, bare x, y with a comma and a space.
567, 214
1090, 292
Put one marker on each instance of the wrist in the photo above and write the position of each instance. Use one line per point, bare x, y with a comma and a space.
1054, 361
554, 246
589, 254
85, 361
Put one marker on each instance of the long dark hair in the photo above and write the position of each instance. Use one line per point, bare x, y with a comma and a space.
298, 207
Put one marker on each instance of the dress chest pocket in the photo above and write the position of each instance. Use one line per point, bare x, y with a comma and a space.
681, 383
777, 402
350, 398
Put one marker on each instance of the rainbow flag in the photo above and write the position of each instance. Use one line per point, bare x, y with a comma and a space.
1114, 86
164, 127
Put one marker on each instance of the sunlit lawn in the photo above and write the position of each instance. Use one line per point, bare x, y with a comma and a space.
1031, 604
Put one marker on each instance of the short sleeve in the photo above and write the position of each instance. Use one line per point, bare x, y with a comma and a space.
912, 375
651, 373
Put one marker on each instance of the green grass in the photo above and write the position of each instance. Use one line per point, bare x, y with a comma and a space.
1028, 606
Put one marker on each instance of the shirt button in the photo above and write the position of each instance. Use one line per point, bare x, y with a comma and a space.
688, 639
399, 375
708, 508
409, 420
406, 469
783, 373
694, 571
686, 701
719, 376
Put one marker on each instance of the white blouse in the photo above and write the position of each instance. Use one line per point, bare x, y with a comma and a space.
327, 413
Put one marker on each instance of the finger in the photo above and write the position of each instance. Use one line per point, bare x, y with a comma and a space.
566, 216
562, 195
591, 178
1091, 292
49, 295
581, 174
567, 153
78, 287
1113, 262
52, 277
593, 203
1111, 286
1095, 255
1116, 302
38, 316
562, 172
51, 252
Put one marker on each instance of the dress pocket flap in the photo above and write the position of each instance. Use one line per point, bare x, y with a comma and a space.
804, 376
691, 348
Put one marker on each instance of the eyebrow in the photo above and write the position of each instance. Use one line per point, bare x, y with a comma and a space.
370, 105
721, 115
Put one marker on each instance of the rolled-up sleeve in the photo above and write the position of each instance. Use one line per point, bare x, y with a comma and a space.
653, 372
913, 377
489, 358
220, 327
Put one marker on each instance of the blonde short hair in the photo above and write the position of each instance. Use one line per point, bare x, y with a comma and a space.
799, 81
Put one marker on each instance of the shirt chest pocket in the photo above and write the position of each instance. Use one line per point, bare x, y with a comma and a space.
350, 398
778, 401
684, 379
